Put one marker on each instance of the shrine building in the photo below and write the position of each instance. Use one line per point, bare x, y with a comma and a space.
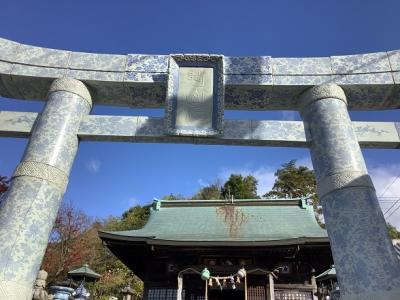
226, 249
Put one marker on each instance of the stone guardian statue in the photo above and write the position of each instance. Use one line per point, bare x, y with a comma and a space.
39, 292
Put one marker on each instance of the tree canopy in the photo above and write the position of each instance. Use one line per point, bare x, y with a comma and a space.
240, 187
211, 192
393, 233
134, 218
67, 245
294, 181
172, 196
237, 186
74, 240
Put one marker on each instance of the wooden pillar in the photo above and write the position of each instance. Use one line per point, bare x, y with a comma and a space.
206, 290
314, 284
271, 287
245, 288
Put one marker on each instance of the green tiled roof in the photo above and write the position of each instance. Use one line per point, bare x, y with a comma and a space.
222, 222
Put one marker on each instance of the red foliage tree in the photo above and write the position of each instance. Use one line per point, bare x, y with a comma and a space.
67, 247
4, 184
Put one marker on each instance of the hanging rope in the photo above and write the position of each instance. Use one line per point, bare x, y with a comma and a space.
242, 273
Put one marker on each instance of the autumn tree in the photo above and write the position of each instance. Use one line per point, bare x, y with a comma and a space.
67, 246
240, 187
4, 185
74, 240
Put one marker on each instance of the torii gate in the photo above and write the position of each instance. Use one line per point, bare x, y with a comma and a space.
194, 89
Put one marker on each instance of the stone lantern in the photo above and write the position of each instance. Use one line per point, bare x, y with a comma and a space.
128, 293
82, 274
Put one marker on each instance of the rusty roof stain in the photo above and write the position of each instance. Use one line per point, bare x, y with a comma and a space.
233, 217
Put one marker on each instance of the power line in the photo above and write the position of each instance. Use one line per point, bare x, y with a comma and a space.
397, 208
389, 200
397, 201
398, 176
391, 207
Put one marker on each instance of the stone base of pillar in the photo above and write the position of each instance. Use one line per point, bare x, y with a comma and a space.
378, 295
11, 290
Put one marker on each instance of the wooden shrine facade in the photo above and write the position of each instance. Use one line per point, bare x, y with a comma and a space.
278, 243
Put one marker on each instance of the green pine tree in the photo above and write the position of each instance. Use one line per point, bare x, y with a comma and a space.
294, 181
240, 187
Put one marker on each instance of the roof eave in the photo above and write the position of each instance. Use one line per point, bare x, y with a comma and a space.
106, 236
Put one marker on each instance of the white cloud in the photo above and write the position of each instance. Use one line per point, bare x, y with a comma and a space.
305, 161
202, 182
132, 201
386, 185
383, 176
93, 166
266, 179
387, 189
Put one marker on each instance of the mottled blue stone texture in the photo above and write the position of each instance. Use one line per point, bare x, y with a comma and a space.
364, 257
28, 211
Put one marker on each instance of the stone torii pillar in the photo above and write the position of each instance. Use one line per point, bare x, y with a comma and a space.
28, 211
365, 260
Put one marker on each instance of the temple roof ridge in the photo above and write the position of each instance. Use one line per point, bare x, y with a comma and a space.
298, 201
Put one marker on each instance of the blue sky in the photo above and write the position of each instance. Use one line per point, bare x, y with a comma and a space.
107, 178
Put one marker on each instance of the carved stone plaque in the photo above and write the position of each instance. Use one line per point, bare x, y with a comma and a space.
195, 95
